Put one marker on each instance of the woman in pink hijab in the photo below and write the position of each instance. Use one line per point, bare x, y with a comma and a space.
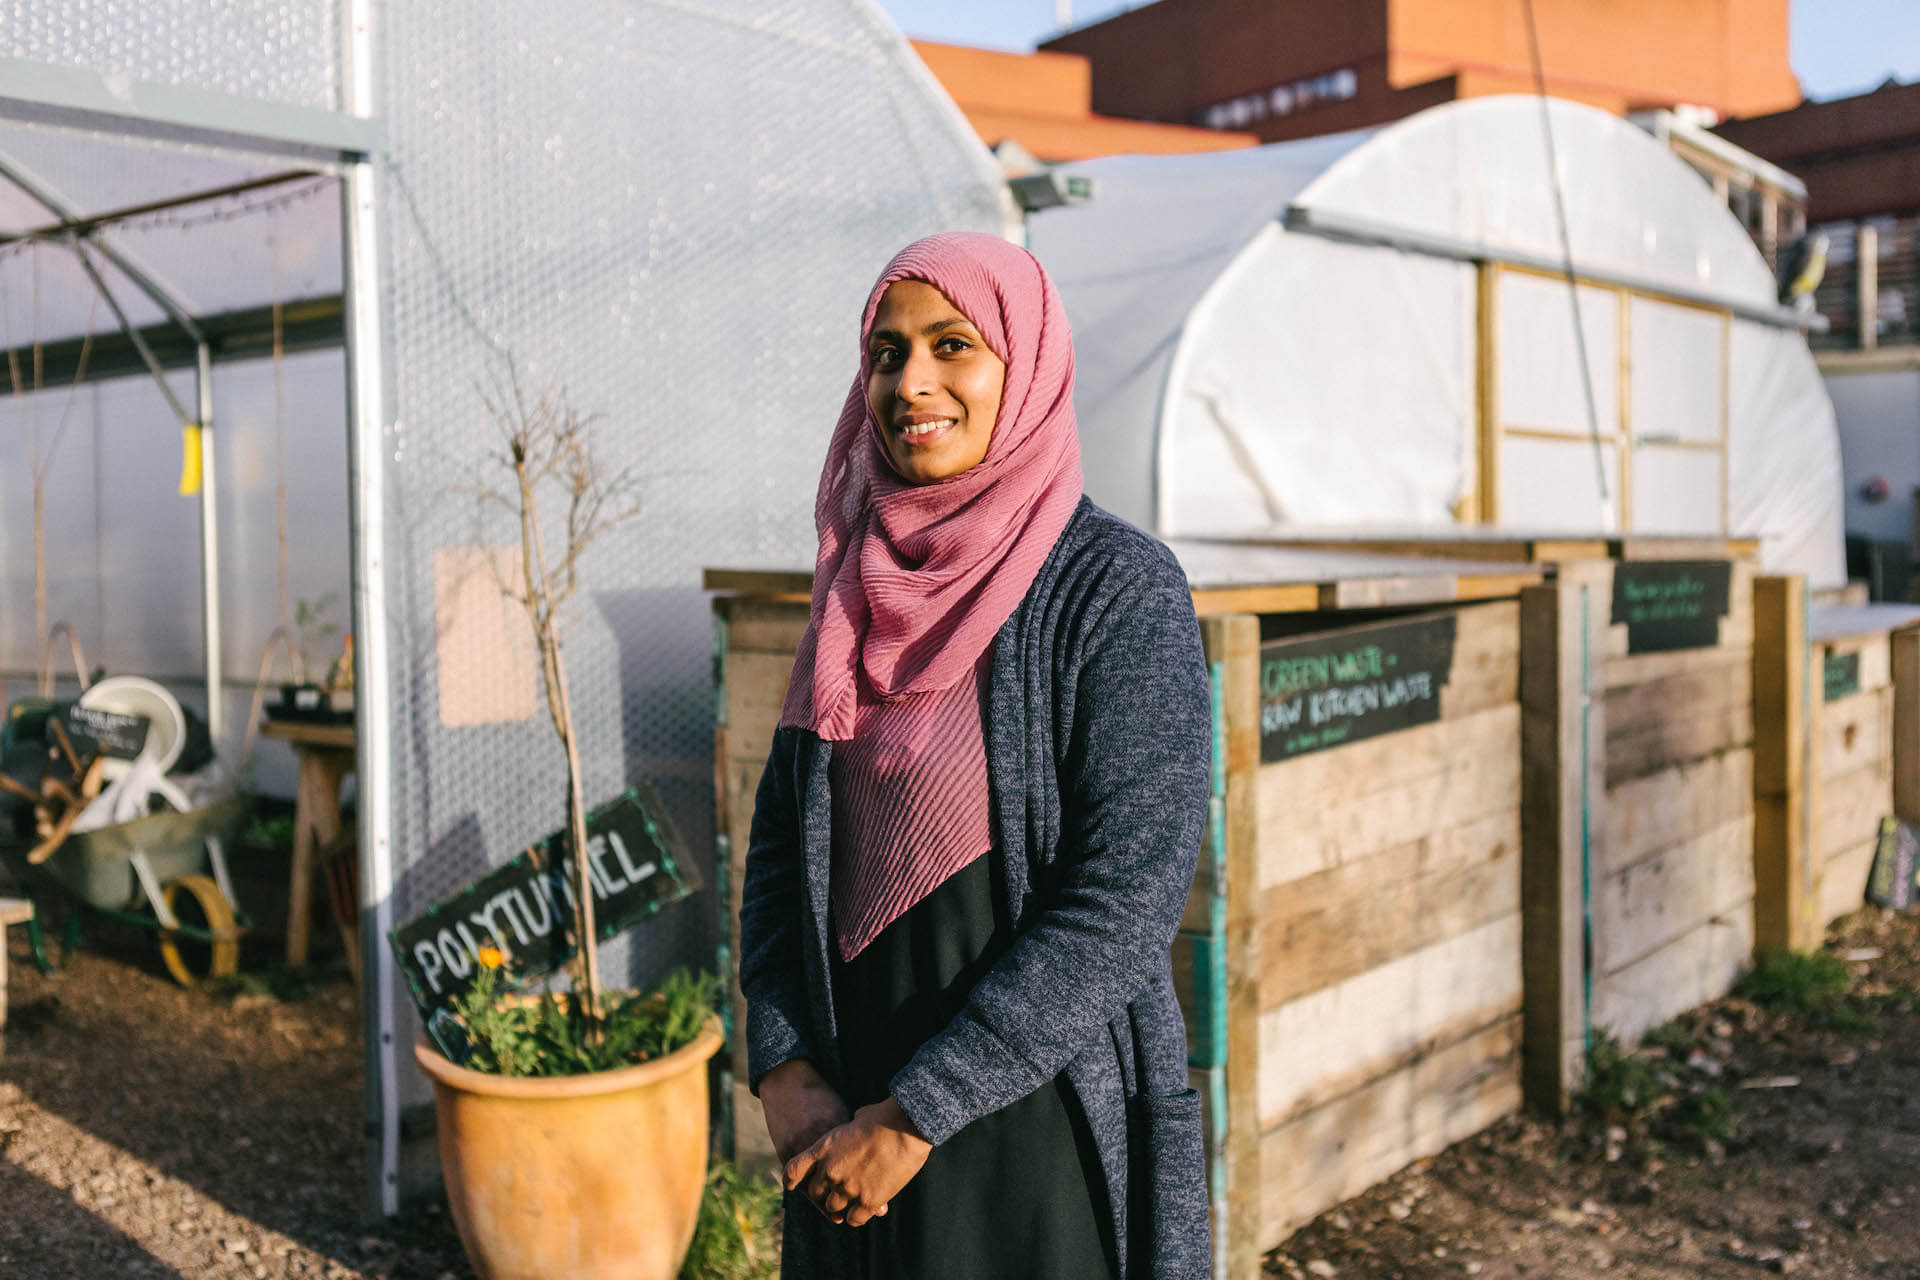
978, 824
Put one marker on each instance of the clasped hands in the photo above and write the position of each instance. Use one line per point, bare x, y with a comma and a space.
848, 1166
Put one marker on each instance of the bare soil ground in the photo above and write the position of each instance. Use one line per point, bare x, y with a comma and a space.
151, 1131
148, 1131
1815, 1172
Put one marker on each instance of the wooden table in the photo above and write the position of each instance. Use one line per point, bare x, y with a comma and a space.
326, 755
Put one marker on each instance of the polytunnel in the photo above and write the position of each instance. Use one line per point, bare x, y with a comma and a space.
333, 228
1377, 329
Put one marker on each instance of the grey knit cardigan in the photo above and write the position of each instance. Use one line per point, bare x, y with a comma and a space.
1099, 740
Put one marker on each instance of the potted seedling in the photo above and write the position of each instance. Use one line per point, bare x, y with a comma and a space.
329, 698
573, 1136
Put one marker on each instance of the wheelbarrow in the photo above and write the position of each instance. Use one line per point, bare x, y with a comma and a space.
166, 872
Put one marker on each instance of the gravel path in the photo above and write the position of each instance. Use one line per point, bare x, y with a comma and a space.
149, 1131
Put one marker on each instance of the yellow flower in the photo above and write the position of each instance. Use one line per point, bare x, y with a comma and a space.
491, 957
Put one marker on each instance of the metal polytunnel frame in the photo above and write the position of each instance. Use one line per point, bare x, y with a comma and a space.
555, 200
348, 143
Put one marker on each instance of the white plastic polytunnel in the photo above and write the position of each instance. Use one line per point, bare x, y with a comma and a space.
1378, 329
666, 211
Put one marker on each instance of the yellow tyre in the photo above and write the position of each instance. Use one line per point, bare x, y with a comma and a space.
221, 956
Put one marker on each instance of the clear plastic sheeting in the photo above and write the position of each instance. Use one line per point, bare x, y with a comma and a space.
1783, 456
1133, 264
1236, 375
655, 208
276, 50
212, 256
123, 547
667, 211
1239, 410
1477, 171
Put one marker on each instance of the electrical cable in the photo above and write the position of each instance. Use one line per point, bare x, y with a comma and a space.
1566, 259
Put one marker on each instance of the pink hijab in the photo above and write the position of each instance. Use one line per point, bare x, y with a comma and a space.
912, 582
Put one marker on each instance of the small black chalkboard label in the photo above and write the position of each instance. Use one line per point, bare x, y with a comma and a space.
1325, 690
524, 907
1671, 604
1891, 882
120, 735
1842, 675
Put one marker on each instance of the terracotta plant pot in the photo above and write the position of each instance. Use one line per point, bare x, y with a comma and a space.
578, 1176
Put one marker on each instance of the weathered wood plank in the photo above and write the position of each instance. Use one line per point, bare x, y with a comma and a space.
1647, 667
1233, 647
1642, 908
1874, 654
1680, 738
1329, 1042
1325, 928
796, 584
1635, 708
769, 626
1301, 597
756, 684
1323, 810
1691, 970
1736, 629
1905, 645
1486, 660
1843, 881
1563, 739
1665, 722
1851, 806
1785, 906
1350, 1143
1671, 807
1854, 732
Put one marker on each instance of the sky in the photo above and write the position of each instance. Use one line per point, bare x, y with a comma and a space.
1839, 47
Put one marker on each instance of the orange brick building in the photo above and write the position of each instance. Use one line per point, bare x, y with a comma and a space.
1284, 69
1043, 101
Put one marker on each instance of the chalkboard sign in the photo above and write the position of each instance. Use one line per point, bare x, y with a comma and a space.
1671, 604
1324, 690
120, 735
635, 860
1891, 882
1842, 675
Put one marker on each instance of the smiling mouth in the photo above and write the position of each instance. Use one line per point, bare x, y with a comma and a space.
915, 432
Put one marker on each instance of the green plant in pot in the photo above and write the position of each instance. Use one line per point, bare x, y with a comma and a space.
573, 1139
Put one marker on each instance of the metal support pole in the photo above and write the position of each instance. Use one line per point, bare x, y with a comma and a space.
367, 460
209, 546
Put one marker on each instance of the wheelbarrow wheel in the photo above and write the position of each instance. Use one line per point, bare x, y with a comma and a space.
221, 954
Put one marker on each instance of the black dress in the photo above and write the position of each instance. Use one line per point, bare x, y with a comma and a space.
1017, 1194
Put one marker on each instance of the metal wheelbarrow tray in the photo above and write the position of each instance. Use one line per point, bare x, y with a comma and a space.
135, 871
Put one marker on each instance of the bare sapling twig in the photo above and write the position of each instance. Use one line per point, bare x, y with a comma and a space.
547, 446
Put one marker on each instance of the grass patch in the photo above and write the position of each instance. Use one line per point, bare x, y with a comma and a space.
736, 1236
1674, 1038
1648, 1099
1811, 984
1795, 981
1619, 1083
1698, 1118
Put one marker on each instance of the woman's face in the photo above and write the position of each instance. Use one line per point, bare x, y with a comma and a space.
934, 385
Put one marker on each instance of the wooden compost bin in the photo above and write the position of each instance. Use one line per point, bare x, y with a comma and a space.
1350, 958
1837, 750
1637, 689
